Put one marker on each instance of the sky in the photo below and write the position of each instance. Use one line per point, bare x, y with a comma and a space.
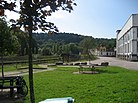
96, 18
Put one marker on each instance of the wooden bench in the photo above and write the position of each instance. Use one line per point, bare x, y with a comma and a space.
14, 82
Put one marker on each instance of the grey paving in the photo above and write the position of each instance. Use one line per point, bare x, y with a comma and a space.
117, 62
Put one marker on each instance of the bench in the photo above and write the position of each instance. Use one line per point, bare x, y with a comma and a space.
83, 68
14, 82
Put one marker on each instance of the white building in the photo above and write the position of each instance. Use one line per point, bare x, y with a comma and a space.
103, 52
127, 40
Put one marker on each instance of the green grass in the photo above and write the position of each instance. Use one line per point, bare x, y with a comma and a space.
14, 67
9, 68
112, 85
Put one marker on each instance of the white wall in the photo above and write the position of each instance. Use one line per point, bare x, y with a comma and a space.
135, 20
134, 47
127, 39
134, 33
126, 27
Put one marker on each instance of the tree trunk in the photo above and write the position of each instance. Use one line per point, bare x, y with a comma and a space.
88, 54
2, 67
31, 83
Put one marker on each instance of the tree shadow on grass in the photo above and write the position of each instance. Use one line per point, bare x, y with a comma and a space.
106, 71
5, 98
98, 70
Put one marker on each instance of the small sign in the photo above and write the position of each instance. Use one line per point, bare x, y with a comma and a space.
59, 100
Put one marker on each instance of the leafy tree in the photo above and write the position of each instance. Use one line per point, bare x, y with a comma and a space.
46, 51
88, 45
54, 48
24, 42
110, 44
73, 48
8, 43
70, 48
33, 14
69, 51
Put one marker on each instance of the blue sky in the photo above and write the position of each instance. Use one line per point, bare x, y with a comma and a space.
97, 18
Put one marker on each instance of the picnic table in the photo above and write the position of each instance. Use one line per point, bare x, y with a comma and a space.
91, 67
14, 82
83, 68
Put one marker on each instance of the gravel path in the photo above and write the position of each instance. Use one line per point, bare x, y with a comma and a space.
112, 61
25, 71
117, 62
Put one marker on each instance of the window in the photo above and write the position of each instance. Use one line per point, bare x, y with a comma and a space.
137, 46
137, 32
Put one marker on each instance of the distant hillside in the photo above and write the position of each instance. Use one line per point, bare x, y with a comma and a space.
59, 37
66, 38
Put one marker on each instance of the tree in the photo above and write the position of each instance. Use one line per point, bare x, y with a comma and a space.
8, 42
46, 51
73, 48
23, 39
33, 14
88, 45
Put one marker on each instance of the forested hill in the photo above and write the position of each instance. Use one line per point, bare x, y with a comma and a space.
66, 38
59, 37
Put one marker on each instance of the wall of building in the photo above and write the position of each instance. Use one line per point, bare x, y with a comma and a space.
135, 20
127, 40
126, 27
105, 53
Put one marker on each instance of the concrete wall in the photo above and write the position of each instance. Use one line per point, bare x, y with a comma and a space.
126, 27
127, 39
135, 19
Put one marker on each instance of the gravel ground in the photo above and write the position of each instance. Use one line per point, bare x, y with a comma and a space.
117, 62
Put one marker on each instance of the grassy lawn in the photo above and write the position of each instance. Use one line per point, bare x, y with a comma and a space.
112, 85
14, 67
11, 67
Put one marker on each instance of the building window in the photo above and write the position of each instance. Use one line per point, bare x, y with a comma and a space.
137, 46
137, 32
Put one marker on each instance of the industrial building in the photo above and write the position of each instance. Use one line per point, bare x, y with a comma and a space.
127, 40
